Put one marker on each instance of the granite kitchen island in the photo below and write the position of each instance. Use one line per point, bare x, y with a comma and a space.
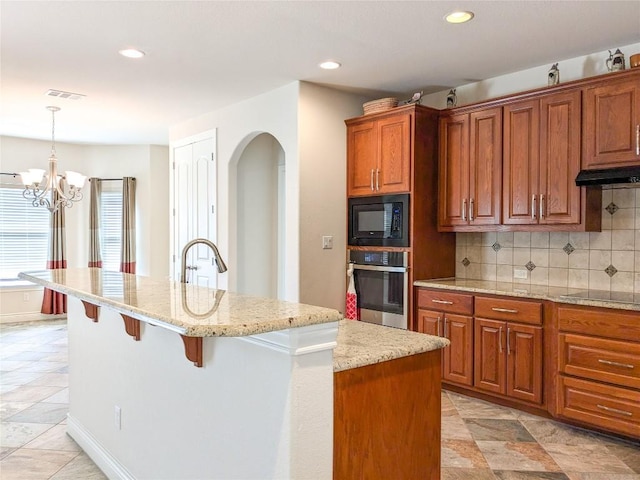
171, 380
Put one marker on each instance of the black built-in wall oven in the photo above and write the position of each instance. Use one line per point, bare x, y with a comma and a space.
381, 281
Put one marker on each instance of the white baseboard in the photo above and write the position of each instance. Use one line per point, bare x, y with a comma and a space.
28, 317
113, 469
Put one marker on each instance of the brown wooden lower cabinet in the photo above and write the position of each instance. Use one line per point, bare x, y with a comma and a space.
508, 359
387, 420
605, 407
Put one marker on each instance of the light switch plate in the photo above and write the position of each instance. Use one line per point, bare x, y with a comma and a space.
327, 242
520, 273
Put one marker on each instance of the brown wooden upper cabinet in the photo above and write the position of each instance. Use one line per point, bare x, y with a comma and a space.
612, 123
379, 155
541, 159
470, 166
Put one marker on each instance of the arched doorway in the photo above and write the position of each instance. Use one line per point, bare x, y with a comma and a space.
260, 218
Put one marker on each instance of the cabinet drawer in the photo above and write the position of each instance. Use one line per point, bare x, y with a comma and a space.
609, 361
445, 301
510, 310
610, 408
601, 322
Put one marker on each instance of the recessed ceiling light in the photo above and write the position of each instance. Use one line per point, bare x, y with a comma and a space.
330, 65
459, 17
132, 53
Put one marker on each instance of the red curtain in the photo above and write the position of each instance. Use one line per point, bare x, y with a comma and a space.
95, 256
55, 302
128, 246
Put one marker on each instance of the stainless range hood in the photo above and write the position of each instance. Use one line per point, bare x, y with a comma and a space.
609, 176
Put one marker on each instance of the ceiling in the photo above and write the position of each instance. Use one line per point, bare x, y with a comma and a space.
204, 55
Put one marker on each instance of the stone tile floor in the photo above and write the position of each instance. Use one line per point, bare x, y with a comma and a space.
480, 441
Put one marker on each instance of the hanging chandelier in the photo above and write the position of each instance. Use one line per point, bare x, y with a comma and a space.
40, 185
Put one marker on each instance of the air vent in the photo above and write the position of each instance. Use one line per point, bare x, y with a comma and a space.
62, 94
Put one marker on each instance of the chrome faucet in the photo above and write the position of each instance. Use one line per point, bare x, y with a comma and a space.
219, 262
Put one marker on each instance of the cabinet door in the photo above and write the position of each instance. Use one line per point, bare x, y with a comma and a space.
458, 357
485, 167
524, 362
453, 183
430, 322
559, 200
612, 123
393, 173
361, 159
489, 353
521, 161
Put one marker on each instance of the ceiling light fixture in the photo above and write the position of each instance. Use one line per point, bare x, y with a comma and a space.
132, 53
459, 17
330, 65
39, 186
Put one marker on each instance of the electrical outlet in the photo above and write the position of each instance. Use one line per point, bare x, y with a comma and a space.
117, 417
520, 273
327, 242
25, 297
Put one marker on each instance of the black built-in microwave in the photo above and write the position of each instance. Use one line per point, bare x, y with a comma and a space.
379, 221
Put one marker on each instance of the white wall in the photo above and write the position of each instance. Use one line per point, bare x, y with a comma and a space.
570, 69
149, 164
308, 122
275, 113
323, 192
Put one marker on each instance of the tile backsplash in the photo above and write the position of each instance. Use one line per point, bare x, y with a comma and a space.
606, 260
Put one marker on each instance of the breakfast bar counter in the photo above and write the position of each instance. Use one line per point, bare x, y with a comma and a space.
257, 397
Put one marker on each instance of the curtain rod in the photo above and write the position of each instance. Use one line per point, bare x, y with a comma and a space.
110, 179
12, 174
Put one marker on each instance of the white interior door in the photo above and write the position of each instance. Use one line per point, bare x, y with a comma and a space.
194, 172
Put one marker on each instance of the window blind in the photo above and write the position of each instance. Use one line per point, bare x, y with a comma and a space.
24, 234
111, 225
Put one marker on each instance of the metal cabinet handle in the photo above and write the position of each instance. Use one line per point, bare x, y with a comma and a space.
438, 325
464, 209
533, 207
500, 339
444, 302
508, 340
471, 209
504, 310
542, 205
445, 328
377, 179
614, 410
638, 139
616, 364
371, 180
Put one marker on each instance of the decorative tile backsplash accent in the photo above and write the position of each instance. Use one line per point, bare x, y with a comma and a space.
606, 260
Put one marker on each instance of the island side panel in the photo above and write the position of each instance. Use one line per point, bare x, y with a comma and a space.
254, 410
387, 419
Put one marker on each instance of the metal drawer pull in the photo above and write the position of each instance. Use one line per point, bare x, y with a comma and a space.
616, 364
445, 302
504, 310
615, 410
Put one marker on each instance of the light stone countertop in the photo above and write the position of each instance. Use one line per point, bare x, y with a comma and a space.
185, 308
361, 344
574, 296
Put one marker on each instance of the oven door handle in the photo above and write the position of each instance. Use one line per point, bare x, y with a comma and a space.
380, 268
